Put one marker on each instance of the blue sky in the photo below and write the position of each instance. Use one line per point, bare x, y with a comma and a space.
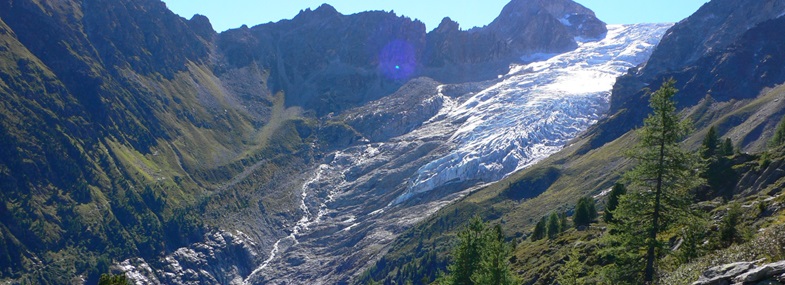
228, 14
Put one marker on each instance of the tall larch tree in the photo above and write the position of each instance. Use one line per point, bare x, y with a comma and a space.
659, 184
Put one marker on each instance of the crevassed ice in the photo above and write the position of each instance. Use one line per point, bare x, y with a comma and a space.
536, 109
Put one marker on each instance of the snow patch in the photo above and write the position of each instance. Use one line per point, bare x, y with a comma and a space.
566, 20
603, 193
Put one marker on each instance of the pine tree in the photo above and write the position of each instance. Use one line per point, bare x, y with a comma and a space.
727, 147
710, 143
482, 257
585, 212
613, 201
779, 135
495, 267
539, 230
467, 255
553, 228
661, 178
693, 235
572, 271
729, 233
563, 224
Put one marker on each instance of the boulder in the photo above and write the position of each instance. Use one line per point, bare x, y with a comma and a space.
723, 273
761, 273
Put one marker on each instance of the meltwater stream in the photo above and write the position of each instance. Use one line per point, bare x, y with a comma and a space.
364, 196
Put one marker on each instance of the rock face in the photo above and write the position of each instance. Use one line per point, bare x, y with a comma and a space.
743, 273
398, 113
713, 27
368, 55
524, 27
723, 39
329, 62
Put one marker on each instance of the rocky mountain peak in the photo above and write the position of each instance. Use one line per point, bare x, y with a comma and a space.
524, 27
447, 25
323, 11
575, 18
201, 26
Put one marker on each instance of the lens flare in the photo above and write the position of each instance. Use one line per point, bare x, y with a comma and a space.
397, 60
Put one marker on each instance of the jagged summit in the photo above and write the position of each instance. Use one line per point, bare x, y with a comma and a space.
324, 10
575, 18
202, 26
523, 28
447, 24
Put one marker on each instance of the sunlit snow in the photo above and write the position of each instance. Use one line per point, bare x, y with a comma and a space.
536, 108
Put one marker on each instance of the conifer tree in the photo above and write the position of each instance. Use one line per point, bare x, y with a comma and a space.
539, 230
779, 135
495, 267
553, 228
467, 255
482, 257
613, 201
563, 225
727, 147
660, 180
572, 270
710, 143
729, 233
585, 212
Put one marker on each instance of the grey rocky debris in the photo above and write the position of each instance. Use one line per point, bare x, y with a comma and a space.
222, 258
720, 274
744, 273
761, 273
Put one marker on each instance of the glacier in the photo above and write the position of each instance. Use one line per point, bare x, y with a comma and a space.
536, 109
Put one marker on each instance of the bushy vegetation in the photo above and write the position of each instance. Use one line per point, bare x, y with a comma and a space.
109, 279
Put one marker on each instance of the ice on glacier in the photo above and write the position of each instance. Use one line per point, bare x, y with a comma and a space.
535, 109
